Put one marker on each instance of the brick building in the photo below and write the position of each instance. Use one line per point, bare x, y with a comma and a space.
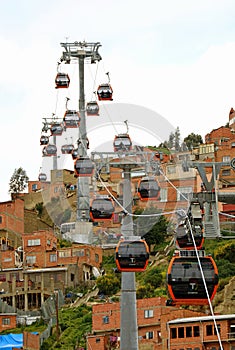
202, 333
42, 267
152, 317
7, 321
162, 328
11, 224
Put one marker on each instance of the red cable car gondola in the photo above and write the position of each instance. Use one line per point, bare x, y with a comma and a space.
71, 119
62, 81
83, 166
105, 92
132, 255
56, 129
92, 108
49, 150
67, 149
148, 189
190, 230
185, 282
44, 140
102, 209
184, 240
122, 142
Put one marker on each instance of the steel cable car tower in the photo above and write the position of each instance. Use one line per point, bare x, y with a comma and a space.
81, 51
129, 328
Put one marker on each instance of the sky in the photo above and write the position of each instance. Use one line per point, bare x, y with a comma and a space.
172, 60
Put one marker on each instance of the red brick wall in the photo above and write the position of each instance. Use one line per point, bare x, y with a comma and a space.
81, 254
12, 322
31, 341
48, 245
96, 342
157, 324
12, 213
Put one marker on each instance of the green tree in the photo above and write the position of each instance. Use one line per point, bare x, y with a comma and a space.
108, 284
226, 252
153, 277
18, 181
177, 139
146, 291
39, 208
152, 228
193, 140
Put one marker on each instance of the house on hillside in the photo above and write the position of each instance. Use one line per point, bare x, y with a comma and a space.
161, 327
152, 316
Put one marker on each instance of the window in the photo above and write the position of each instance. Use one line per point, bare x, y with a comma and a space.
78, 252
7, 259
53, 257
163, 194
96, 257
6, 321
181, 332
148, 313
233, 144
184, 193
173, 333
149, 335
2, 277
188, 348
171, 169
226, 172
64, 253
33, 242
209, 329
196, 348
196, 331
30, 259
59, 174
188, 331
34, 187
226, 158
14, 275
0, 219
106, 319
97, 340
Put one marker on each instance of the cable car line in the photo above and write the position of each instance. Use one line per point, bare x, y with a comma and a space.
205, 285
125, 212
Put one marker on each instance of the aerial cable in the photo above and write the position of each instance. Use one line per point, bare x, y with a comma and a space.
204, 281
94, 81
135, 215
56, 102
177, 190
228, 215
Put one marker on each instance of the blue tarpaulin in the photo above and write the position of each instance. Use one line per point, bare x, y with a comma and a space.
9, 341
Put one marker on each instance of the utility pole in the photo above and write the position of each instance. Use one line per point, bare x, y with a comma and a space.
81, 52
